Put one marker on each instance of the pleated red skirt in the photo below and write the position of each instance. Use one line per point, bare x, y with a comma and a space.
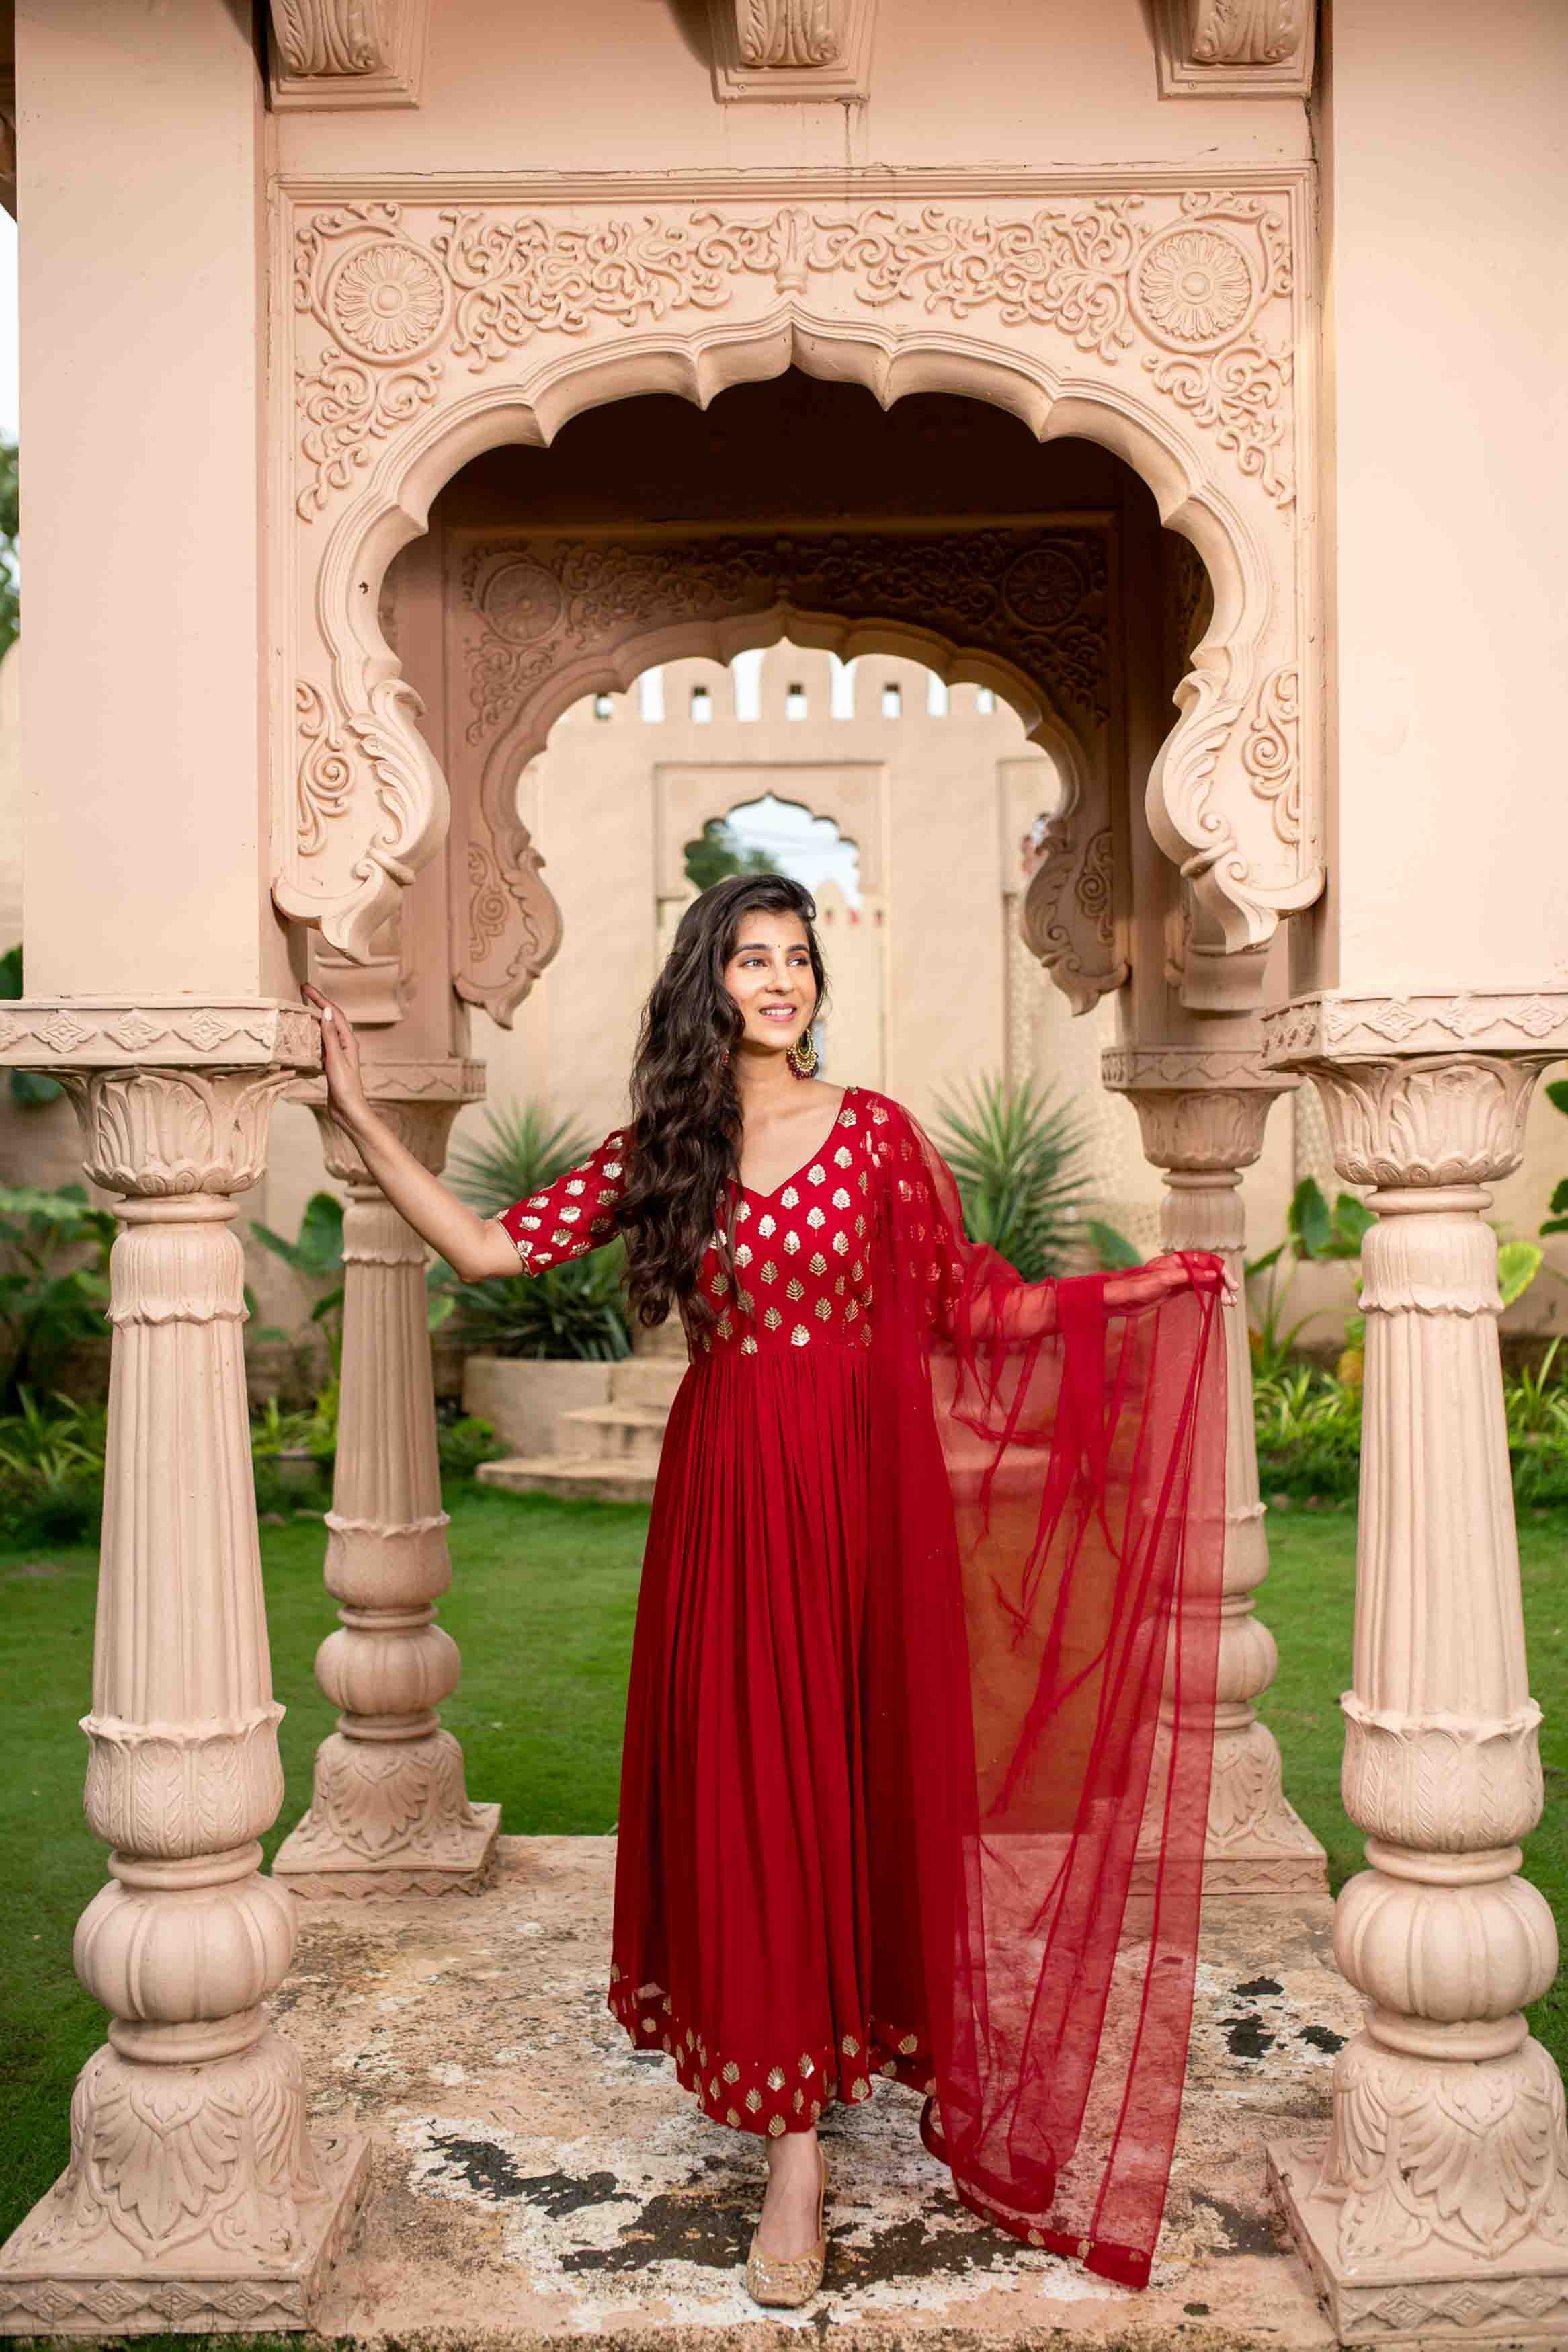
744, 1944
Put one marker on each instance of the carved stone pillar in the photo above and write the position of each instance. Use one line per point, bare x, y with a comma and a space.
389, 1811
1439, 2204
195, 2196
1202, 1116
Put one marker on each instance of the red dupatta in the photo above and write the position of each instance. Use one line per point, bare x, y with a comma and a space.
1046, 1508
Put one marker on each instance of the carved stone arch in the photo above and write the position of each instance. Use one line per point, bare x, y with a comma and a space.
1168, 321
1070, 921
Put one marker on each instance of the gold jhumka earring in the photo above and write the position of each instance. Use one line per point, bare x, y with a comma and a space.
803, 1054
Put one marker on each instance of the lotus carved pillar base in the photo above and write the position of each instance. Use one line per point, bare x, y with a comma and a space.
1202, 1115
389, 1811
195, 2196
1438, 2206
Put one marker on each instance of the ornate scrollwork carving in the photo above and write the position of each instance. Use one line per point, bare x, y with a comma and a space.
401, 293
1271, 755
1039, 598
545, 609
1179, 308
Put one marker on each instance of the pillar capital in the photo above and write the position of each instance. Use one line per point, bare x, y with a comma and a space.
1424, 1092
418, 1100
1200, 1114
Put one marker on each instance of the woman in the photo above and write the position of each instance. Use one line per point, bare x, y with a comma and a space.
899, 1796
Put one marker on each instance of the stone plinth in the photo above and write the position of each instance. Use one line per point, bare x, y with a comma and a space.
535, 2181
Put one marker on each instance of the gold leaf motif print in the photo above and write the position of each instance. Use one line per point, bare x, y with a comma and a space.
788, 1198
771, 1318
815, 1219
843, 1157
769, 1270
841, 1199
794, 1288
765, 1226
791, 1243
819, 1264
800, 1336
816, 1173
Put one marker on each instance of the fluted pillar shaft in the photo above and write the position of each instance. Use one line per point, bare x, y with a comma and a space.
389, 1811
1202, 1136
1441, 2198
194, 2196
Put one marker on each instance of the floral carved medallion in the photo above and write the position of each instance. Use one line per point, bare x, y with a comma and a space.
1194, 288
387, 302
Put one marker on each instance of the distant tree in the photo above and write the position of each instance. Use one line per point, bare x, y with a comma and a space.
10, 527
718, 851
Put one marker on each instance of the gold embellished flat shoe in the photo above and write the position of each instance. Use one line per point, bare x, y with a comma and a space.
787, 2284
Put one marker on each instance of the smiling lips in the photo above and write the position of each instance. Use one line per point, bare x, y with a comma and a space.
779, 1012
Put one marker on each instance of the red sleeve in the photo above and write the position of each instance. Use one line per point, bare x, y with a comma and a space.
574, 1215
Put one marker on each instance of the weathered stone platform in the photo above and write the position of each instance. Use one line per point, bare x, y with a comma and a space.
535, 2179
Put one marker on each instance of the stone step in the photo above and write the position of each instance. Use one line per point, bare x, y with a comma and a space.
580, 1481
647, 1380
610, 1433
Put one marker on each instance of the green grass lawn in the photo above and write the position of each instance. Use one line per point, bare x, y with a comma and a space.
542, 1605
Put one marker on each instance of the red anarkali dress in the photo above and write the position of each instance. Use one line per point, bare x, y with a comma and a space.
917, 1737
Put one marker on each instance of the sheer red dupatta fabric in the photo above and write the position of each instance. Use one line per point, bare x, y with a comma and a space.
1046, 1508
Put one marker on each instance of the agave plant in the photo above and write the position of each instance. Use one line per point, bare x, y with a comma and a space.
1018, 1157
575, 1310
525, 1151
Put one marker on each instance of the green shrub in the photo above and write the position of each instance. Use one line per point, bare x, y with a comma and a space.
54, 1290
51, 1470
1308, 1427
462, 1444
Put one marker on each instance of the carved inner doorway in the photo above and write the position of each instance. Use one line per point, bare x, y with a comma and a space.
939, 531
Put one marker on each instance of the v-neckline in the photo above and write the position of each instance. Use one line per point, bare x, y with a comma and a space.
785, 1181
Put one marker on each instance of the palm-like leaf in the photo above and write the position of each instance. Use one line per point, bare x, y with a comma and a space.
318, 1253
525, 1151
1016, 1157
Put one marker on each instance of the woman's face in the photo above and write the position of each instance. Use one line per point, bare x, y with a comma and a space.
770, 977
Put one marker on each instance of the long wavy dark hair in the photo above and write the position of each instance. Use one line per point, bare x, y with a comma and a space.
685, 1107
